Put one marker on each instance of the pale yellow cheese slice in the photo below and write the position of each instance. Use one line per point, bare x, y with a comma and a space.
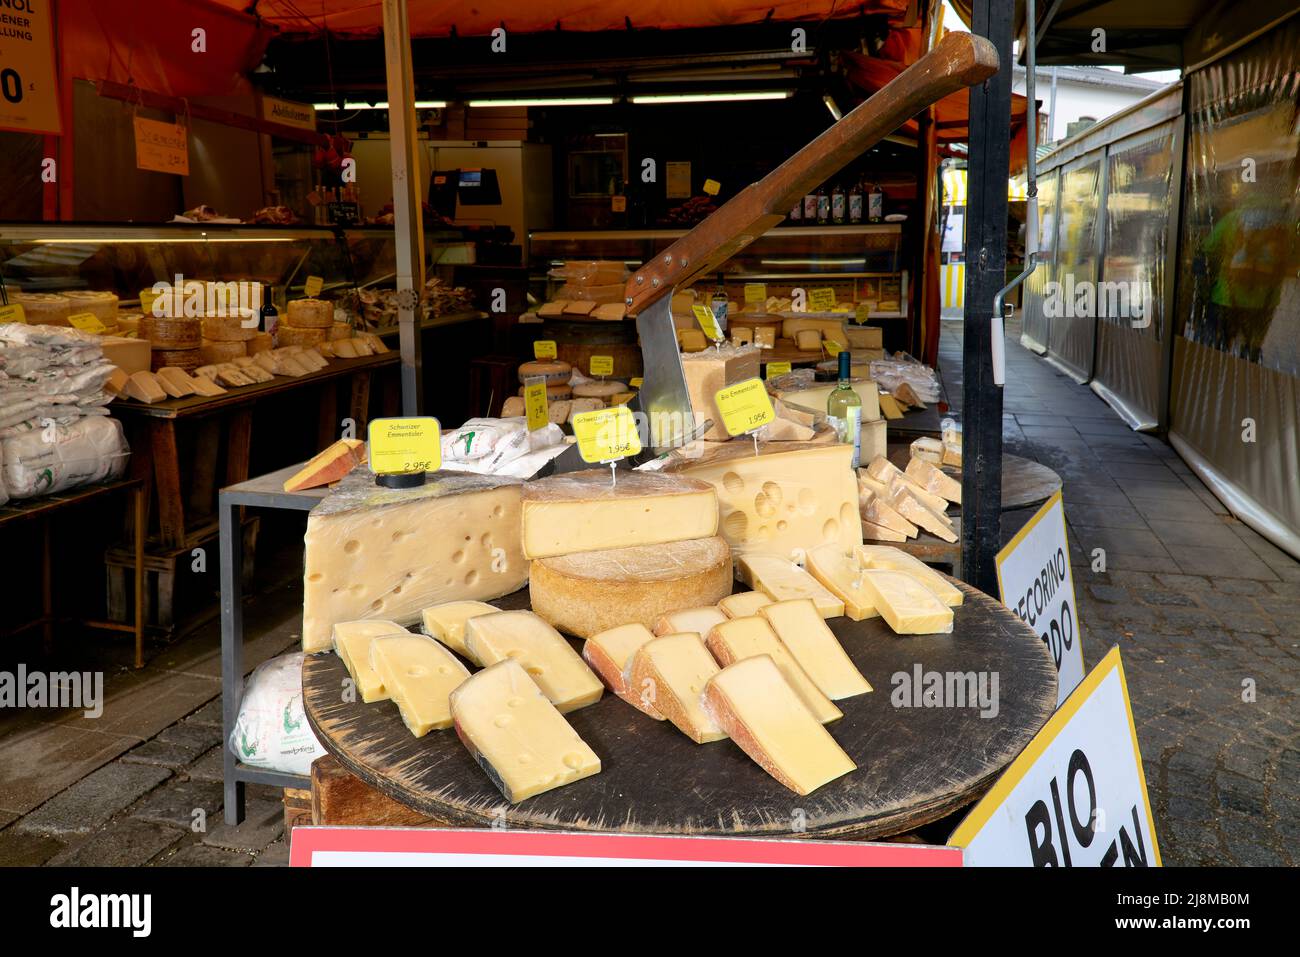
744, 604
743, 638
352, 644
756, 706
894, 559
933, 479
907, 606
698, 620
816, 648
671, 672
610, 652
905, 502
446, 622
542, 651
833, 567
516, 734
419, 675
782, 580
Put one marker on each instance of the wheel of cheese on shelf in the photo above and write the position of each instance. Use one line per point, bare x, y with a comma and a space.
44, 308
215, 352
294, 336
102, 305
187, 359
559, 390
228, 329
340, 330
260, 342
310, 313
172, 334
589, 592
553, 371
599, 390
128, 324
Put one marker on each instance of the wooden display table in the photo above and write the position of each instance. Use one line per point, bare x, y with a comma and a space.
1025, 483
915, 764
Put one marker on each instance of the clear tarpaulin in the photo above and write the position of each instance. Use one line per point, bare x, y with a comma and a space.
1235, 408
1033, 334
1071, 329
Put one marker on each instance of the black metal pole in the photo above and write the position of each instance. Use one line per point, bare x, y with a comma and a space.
986, 260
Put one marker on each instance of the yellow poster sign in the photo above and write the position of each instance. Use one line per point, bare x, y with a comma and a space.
29, 90
162, 147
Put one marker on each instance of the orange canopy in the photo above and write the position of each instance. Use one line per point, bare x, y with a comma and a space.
435, 18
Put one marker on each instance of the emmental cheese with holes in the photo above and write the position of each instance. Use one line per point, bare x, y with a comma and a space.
753, 704
585, 511
671, 673
373, 552
516, 735
782, 580
590, 592
549, 660
815, 647
419, 675
446, 623
352, 644
742, 638
833, 567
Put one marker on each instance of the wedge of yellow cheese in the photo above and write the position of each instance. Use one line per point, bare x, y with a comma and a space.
743, 604
907, 606
782, 580
671, 672
894, 559
419, 675
815, 647
542, 651
352, 644
833, 567
446, 623
742, 638
610, 652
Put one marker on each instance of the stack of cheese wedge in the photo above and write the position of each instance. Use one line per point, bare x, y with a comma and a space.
897, 505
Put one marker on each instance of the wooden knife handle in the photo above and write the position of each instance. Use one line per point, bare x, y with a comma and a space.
957, 61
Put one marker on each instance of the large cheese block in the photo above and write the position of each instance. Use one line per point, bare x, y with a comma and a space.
815, 647
713, 369
742, 638
516, 734
102, 305
352, 644
753, 703
842, 576
583, 511
785, 503
446, 623
215, 352
610, 653
782, 580
744, 603
907, 606
171, 333
590, 592
286, 335
328, 466
893, 559
558, 670
698, 620
310, 314
44, 308
129, 355
419, 675
373, 552
813, 398
673, 670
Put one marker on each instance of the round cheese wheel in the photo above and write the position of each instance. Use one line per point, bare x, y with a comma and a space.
588, 592
214, 352
171, 334
227, 329
293, 336
128, 324
187, 359
44, 308
599, 390
340, 330
261, 342
310, 313
102, 305
553, 371
513, 407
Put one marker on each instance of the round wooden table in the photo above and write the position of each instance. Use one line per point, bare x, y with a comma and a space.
916, 764
1025, 483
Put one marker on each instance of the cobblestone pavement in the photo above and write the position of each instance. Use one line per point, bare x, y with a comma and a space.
1206, 612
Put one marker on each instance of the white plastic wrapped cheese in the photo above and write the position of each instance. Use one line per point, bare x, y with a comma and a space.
55, 456
272, 730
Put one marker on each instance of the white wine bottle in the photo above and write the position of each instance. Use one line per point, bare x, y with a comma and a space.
844, 409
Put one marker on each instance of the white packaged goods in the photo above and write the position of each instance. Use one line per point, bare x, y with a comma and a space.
59, 457
374, 552
272, 730
501, 447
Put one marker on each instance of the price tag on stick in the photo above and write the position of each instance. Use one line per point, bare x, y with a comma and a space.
606, 435
708, 322
12, 313
602, 365
544, 349
313, 286
745, 408
86, 322
775, 369
405, 447
535, 405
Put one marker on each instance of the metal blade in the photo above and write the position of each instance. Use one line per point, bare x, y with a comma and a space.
663, 396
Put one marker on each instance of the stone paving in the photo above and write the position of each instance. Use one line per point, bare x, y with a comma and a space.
1206, 612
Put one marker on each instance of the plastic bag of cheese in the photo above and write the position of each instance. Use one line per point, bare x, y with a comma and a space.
43, 457
272, 730
501, 447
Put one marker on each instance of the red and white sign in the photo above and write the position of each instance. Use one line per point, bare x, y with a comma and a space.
435, 847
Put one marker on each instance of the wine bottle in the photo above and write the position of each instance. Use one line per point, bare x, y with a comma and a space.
844, 409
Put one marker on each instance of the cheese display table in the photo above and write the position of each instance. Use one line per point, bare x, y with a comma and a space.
1025, 483
916, 764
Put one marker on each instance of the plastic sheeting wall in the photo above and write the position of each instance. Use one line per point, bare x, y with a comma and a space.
1033, 333
1071, 335
1132, 325
1235, 407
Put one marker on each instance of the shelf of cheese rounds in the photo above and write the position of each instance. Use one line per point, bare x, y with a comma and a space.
727, 605
568, 393
196, 359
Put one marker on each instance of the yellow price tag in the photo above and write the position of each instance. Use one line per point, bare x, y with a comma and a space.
313, 286
712, 186
708, 322
635, 382
832, 347
544, 349
618, 204
744, 407
535, 406
147, 299
86, 322
602, 365
13, 313
756, 292
606, 434
775, 369
405, 445
821, 300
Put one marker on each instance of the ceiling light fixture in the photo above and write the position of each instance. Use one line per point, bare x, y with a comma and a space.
657, 98
544, 101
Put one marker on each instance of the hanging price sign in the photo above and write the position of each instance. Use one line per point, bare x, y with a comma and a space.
602, 365
744, 406
544, 349
606, 434
405, 445
535, 405
313, 286
708, 322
